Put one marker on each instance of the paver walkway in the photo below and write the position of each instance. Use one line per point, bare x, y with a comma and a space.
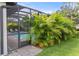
26, 51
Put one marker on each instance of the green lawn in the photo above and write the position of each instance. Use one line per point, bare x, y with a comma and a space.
66, 48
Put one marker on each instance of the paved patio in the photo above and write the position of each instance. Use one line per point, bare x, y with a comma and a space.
26, 51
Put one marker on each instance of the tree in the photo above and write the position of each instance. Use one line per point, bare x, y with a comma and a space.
70, 10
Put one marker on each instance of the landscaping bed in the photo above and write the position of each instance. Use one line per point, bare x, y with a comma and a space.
66, 48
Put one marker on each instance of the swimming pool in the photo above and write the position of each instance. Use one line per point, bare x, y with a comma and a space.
24, 36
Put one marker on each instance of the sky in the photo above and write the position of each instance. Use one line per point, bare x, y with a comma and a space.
47, 7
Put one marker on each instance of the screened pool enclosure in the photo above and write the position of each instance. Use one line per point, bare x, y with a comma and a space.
18, 26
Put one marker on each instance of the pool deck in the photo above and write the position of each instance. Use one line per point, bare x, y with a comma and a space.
26, 51
13, 42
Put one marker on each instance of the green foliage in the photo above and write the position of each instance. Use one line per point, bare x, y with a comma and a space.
64, 26
12, 25
25, 23
53, 28
70, 10
41, 30
66, 48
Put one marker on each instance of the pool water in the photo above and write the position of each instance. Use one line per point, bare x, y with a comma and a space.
23, 36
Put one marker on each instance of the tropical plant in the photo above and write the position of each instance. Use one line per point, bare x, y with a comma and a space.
52, 29
64, 25
12, 25
40, 29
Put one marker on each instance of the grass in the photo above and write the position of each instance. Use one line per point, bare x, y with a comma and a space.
66, 48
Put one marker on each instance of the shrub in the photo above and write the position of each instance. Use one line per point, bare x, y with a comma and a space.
52, 29
12, 25
64, 26
41, 30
